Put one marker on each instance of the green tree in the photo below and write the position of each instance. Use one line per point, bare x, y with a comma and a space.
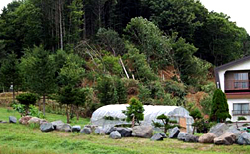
196, 114
134, 111
27, 99
166, 123
219, 110
10, 72
38, 70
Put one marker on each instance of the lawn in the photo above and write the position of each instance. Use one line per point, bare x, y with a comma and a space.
17, 139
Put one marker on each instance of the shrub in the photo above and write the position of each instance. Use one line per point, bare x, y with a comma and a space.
27, 99
219, 109
134, 111
206, 104
166, 123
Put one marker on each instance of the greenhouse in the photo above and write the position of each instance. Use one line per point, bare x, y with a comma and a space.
111, 115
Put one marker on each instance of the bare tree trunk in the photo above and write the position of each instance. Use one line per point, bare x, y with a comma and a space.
60, 24
133, 121
67, 113
44, 104
124, 68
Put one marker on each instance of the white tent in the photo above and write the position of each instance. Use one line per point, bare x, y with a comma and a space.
101, 117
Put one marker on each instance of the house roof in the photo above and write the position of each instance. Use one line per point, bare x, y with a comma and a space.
227, 65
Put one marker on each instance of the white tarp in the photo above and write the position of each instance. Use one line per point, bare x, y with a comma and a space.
99, 117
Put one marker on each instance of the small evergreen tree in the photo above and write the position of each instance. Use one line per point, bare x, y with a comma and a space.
166, 123
134, 111
219, 110
196, 114
27, 99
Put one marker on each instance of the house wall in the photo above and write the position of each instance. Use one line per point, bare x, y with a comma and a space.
230, 106
242, 66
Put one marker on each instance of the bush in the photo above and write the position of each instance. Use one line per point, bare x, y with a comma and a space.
27, 99
134, 111
166, 123
206, 104
209, 88
219, 109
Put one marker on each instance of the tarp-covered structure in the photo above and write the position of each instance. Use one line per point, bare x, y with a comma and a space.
111, 115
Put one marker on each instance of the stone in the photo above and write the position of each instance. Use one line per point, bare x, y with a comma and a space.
207, 138
58, 125
219, 129
182, 136
191, 138
86, 130
92, 127
3, 122
37, 121
65, 128
46, 127
100, 131
244, 139
142, 131
157, 137
174, 132
76, 129
115, 135
110, 130
24, 120
234, 130
12, 119
227, 139
163, 135
125, 132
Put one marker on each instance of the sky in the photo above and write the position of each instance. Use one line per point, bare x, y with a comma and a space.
238, 10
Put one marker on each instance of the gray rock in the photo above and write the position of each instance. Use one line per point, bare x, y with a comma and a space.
244, 139
191, 138
36, 120
207, 138
219, 129
110, 130
3, 122
157, 137
12, 119
234, 130
92, 127
115, 135
174, 132
76, 129
65, 128
100, 131
182, 136
227, 139
58, 125
163, 135
125, 132
142, 131
86, 130
46, 127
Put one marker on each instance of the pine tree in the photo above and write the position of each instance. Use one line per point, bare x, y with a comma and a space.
219, 110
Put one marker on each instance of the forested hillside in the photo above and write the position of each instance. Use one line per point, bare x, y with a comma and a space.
97, 52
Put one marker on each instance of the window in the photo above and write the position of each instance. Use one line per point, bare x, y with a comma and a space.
241, 81
241, 109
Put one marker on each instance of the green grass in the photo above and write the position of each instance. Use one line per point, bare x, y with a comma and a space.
19, 139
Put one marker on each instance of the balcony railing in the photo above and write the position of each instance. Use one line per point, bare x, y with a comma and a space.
241, 112
237, 84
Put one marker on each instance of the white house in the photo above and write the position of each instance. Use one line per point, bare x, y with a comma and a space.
233, 79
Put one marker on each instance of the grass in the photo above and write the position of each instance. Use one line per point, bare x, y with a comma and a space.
19, 139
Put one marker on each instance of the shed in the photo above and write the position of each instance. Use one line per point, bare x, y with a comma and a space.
111, 115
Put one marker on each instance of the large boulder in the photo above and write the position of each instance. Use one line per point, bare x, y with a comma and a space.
2, 122
125, 132
110, 130
142, 131
174, 132
86, 130
244, 139
207, 138
12, 119
182, 136
46, 127
219, 129
157, 137
191, 138
100, 131
76, 129
24, 120
115, 135
36, 120
58, 125
227, 139
65, 128
234, 130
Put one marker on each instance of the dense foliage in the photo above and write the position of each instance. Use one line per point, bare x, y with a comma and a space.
166, 123
155, 50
